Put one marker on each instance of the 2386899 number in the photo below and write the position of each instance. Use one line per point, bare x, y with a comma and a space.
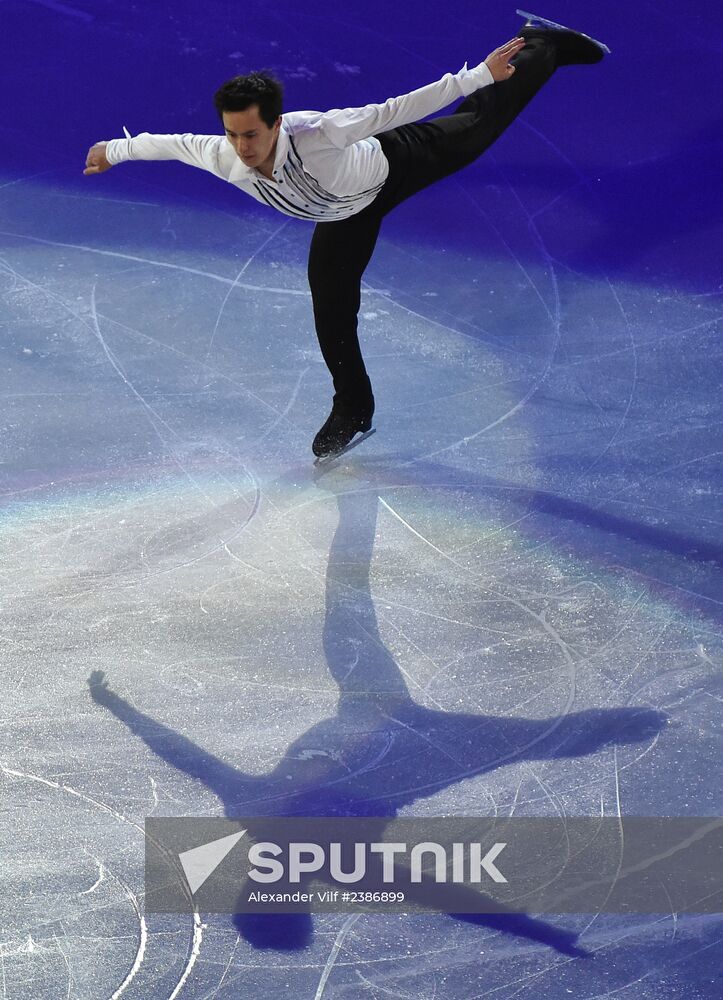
373, 897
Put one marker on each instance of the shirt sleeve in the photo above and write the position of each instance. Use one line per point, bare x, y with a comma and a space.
346, 126
195, 150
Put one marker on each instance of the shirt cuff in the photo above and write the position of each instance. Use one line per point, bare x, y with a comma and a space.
117, 150
475, 78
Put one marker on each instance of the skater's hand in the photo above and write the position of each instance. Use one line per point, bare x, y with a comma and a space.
95, 161
498, 62
99, 690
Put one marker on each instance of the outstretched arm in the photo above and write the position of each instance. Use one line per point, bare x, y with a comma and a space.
196, 150
221, 778
343, 127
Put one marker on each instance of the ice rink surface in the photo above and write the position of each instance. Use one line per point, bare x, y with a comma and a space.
505, 602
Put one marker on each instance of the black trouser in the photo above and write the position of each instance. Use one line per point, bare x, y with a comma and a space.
418, 155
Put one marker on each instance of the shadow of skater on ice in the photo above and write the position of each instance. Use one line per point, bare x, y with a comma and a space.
382, 751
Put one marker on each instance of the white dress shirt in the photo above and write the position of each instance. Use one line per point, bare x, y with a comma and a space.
327, 164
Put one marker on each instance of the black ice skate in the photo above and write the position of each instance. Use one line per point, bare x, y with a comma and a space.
341, 427
572, 46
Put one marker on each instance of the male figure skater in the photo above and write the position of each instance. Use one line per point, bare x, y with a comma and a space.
346, 169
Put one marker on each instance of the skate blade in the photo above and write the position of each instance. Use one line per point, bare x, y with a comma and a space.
327, 459
543, 22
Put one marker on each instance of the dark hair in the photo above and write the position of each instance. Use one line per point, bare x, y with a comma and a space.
241, 92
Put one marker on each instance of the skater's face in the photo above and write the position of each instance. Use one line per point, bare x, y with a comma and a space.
250, 136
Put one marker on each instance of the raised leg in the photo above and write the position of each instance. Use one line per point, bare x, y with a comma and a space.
421, 154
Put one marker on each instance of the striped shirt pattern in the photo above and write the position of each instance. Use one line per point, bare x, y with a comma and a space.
303, 196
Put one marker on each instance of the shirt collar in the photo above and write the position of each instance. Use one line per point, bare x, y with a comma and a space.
239, 170
282, 146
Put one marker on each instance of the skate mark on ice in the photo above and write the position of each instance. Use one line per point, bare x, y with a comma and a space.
234, 284
334, 953
197, 934
153, 417
553, 314
159, 263
633, 384
21, 180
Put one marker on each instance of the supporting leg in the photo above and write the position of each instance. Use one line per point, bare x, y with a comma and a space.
339, 254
